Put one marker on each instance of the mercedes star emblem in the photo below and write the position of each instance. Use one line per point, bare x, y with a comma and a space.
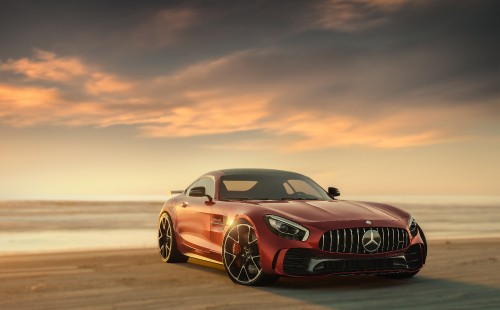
371, 240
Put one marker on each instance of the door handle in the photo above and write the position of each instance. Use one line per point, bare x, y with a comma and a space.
184, 204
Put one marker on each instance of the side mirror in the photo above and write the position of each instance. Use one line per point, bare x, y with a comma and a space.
333, 192
199, 192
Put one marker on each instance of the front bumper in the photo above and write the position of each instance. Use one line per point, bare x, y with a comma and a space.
305, 262
342, 254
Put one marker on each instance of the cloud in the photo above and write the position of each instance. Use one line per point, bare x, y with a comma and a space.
46, 66
412, 78
28, 106
100, 83
71, 98
164, 28
23, 106
349, 16
227, 115
368, 105
407, 129
26, 97
71, 71
248, 91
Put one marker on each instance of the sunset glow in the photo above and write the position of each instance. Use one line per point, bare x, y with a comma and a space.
389, 97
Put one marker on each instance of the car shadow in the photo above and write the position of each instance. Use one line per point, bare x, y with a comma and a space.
361, 292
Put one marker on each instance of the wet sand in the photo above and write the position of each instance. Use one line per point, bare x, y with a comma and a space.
461, 274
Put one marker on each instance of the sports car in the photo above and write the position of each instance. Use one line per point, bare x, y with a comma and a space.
261, 224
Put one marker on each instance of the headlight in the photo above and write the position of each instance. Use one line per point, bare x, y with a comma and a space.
286, 229
412, 224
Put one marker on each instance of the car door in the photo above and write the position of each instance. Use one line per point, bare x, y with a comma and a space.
193, 217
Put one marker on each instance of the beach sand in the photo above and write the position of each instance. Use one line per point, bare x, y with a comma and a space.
461, 274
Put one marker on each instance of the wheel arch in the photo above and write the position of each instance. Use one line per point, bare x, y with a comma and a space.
245, 217
168, 211
260, 232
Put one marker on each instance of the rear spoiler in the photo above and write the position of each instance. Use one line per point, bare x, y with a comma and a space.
176, 192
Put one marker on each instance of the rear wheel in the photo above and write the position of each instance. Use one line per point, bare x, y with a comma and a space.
167, 244
241, 257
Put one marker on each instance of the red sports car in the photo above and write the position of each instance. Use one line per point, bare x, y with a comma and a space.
262, 224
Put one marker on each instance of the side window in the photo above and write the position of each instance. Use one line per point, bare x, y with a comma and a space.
206, 182
288, 189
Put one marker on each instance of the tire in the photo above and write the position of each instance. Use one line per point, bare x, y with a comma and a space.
167, 245
425, 247
241, 256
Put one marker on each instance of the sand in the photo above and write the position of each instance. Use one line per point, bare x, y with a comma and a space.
459, 275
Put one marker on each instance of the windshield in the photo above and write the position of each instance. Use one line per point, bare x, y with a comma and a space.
270, 187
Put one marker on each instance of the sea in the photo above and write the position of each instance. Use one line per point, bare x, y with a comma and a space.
39, 226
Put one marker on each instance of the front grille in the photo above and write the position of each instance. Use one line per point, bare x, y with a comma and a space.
349, 240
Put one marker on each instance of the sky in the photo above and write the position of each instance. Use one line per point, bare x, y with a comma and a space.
380, 97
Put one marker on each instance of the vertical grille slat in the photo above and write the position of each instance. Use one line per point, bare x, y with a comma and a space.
360, 236
350, 240
389, 239
362, 248
345, 241
385, 242
331, 239
338, 240
359, 242
397, 239
395, 244
391, 248
381, 247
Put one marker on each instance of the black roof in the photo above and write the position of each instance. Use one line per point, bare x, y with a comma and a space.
255, 171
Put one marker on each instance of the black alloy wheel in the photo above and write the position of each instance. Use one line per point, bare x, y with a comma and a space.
241, 257
167, 244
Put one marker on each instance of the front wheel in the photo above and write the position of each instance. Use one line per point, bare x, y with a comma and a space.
167, 245
241, 257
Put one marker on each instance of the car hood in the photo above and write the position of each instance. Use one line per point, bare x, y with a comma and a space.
333, 211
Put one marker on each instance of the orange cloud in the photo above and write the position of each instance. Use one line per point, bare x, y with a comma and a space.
46, 66
212, 113
26, 106
217, 112
213, 98
100, 83
14, 97
232, 108
351, 15
411, 128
